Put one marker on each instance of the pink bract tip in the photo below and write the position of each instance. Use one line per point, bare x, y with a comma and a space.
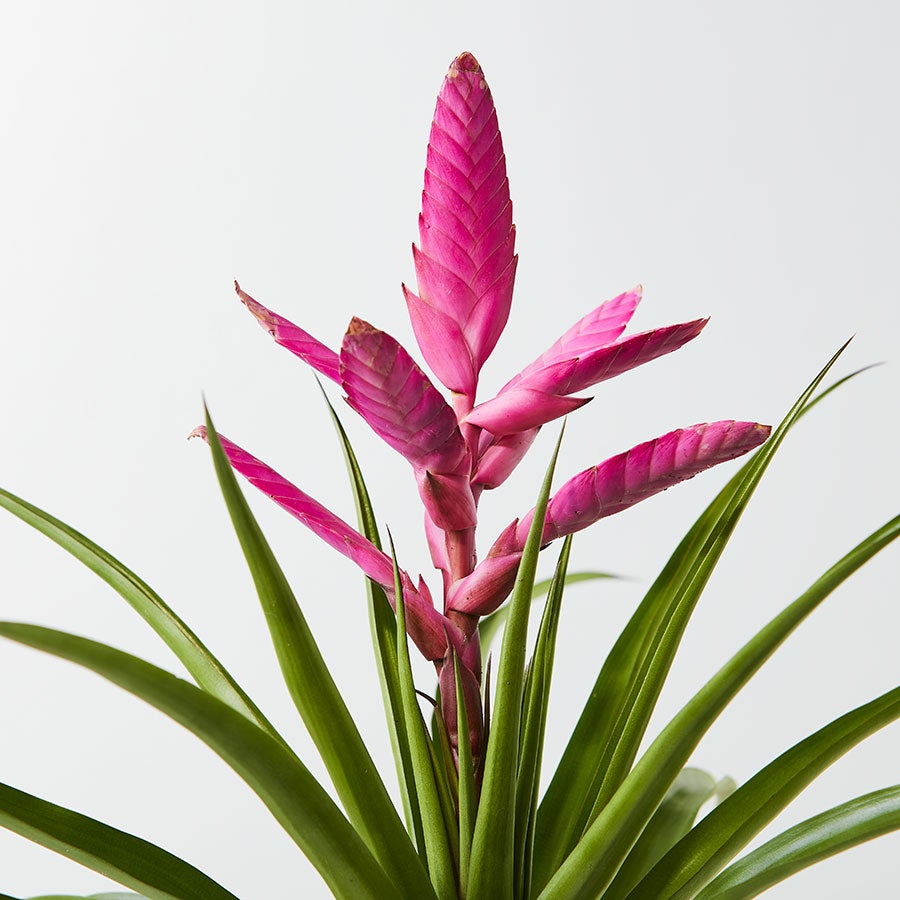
465, 62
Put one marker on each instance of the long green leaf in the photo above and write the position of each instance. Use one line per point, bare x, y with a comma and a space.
204, 668
282, 782
115, 896
489, 625
437, 848
467, 801
127, 859
698, 857
534, 721
446, 779
492, 874
384, 637
808, 842
670, 823
317, 697
598, 855
821, 395
603, 746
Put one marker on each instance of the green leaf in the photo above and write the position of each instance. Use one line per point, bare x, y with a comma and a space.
697, 858
670, 823
599, 853
604, 744
384, 638
466, 784
537, 697
130, 860
809, 842
447, 781
205, 669
282, 782
833, 387
489, 625
114, 896
317, 698
437, 846
492, 872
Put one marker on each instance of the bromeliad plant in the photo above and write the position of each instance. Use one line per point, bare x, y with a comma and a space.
473, 823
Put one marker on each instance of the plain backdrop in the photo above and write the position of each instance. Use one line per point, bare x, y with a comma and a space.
739, 160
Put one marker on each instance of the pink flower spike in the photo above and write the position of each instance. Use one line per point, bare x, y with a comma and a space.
386, 387
641, 472
426, 626
465, 264
294, 338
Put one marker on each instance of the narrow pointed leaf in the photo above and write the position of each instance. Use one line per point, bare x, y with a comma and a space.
809, 842
446, 780
436, 850
281, 781
492, 866
491, 624
821, 395
534, 721
384, 639
118, 895
317, 698
618, 824
670, 823
605, 741
467, 801
127, 859
202, 665
698, 857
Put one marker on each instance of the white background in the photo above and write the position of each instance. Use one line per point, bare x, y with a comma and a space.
740, 160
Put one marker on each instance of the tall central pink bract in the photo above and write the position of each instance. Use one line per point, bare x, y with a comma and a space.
465, 264
465, 268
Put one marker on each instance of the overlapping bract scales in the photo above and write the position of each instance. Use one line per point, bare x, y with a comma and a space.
603, 490
426, 626
386, 387
641, 472
465, 264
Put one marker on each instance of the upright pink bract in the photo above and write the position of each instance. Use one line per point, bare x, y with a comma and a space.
465, 267
465, 264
